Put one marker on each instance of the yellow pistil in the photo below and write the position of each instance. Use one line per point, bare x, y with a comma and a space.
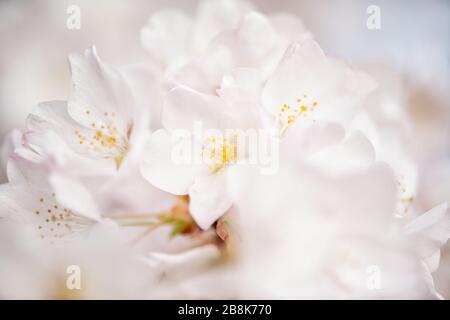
288, 114
219, 152
104, 138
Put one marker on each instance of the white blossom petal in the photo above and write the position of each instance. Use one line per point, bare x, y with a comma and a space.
208, 199
160, 169
183, 107
431, 230
165, 36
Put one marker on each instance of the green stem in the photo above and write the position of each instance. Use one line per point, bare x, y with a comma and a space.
138, 224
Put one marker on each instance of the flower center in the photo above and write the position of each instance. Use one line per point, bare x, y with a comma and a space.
53, 221
218, 152
289, 113
104, 138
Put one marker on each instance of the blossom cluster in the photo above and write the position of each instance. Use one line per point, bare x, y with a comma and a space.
239, 163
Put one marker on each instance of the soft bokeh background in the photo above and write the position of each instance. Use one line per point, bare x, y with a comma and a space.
411, 54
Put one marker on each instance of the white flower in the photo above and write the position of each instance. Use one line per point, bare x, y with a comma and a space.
203, 180
431, 230
257, 43
385, 121
95, 139
226, 35
171, 37
29, 198
106, 114
308, 86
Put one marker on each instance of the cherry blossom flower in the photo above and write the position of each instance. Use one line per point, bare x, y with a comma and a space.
308, 86
204, 180
171, 37
29, 198
103, 117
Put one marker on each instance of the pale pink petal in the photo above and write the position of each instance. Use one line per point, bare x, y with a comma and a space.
209, 199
